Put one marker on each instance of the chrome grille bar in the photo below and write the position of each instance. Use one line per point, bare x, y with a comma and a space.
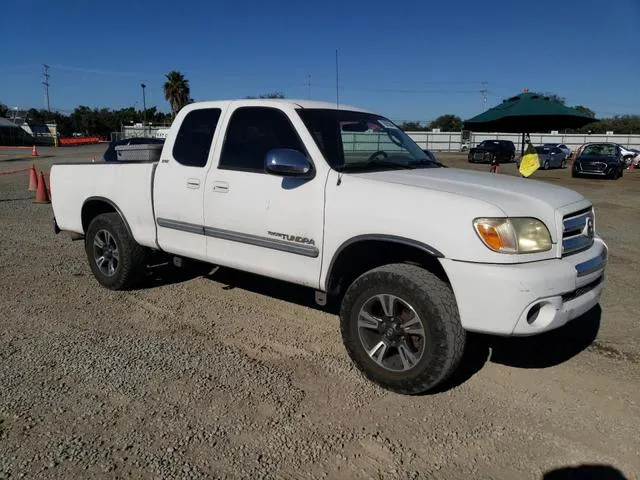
575, 234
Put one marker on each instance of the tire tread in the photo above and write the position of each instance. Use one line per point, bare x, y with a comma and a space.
132, 256
451, 340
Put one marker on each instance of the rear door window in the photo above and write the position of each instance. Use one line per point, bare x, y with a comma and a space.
194, 138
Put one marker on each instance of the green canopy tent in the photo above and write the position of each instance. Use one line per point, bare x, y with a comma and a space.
526, 113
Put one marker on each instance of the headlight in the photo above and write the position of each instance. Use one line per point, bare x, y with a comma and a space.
513, 235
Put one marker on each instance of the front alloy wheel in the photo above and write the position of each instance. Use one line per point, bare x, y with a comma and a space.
401, 328
391, 332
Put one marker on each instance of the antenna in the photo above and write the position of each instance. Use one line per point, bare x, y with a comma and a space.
309, 86
337, 93
484, 90
45, 82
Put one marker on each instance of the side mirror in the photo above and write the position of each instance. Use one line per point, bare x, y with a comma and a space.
287, 162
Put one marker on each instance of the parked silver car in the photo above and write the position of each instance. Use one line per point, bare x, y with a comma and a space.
561, 146
551, 157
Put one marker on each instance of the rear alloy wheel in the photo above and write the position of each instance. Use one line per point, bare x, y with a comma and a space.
546, 165
115, 258
401, 328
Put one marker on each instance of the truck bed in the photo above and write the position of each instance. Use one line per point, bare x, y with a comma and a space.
127, 186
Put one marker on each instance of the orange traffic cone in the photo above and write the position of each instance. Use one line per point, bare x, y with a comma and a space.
34, 152
42, 196
33, 179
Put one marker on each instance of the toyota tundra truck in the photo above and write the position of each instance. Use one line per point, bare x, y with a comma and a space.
340, 200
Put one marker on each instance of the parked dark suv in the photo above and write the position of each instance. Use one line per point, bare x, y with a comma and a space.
599, 160
489, 150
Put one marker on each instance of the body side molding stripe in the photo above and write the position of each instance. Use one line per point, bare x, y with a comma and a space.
256, 240
182, 226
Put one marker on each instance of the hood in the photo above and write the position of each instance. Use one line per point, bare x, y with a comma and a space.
515, 196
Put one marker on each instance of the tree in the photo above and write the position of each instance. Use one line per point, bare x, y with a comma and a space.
447, 123
4, 110
177, 91
555, 97
269, 95
411, 126
585, 111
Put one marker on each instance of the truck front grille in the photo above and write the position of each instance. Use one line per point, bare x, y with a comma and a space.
577, 231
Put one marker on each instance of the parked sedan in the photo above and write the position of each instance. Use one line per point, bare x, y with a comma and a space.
561, 146
551, 157
599, 160
628, 154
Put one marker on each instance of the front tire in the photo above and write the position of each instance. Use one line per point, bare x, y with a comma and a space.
401, 328
116, 260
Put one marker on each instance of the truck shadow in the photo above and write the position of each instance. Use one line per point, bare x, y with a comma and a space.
585, 472
541, 351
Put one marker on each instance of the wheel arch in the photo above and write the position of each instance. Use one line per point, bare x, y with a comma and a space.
94, 206
364, 252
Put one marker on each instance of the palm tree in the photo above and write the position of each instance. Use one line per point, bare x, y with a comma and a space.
176, 91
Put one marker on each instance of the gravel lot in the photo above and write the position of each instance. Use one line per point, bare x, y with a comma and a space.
222, 374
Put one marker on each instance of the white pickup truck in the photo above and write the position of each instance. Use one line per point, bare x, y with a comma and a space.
342, 201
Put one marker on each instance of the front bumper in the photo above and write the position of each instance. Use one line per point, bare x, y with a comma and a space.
530, 298
600, 169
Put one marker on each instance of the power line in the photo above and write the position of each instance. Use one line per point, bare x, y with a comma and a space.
45, 82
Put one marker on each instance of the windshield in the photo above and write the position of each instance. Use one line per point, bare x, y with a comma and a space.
599, 150
355, 141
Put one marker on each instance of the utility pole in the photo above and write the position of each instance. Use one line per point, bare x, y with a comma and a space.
337, 93
309, 86
45, 82
484, 90
144, 107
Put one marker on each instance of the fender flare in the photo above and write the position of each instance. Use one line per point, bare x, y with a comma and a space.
112, 204
378, 237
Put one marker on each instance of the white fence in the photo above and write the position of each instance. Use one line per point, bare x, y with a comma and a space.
435, 141
452, 141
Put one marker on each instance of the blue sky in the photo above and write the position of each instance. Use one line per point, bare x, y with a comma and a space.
409, 60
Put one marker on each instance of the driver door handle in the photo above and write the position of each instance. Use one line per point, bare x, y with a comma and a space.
220, 187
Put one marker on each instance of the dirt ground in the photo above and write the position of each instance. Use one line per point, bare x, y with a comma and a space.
223, 374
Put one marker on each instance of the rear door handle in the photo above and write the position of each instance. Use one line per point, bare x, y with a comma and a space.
193, 183
222, 187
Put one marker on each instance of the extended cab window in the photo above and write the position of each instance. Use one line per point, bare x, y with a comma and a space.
251, 133
194, 138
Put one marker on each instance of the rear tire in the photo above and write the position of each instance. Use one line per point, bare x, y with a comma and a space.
116, 260
546, 165
406, 361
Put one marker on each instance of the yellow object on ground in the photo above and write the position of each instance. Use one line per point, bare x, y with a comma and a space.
530, 161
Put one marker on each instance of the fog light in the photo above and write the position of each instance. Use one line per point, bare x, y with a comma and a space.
532, 315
